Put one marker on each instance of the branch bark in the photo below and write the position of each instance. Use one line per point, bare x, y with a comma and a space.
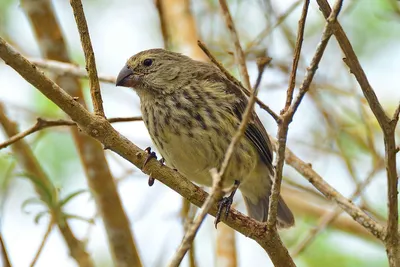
89, 57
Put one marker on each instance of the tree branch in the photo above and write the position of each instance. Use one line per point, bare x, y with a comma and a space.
329, 217
42, 124
287, 116
41, 246
297, 52
89, 56
387, 125
4, 254
330, 193
68, 69
239, 55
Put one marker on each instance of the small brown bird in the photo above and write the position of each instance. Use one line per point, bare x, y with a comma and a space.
192, 112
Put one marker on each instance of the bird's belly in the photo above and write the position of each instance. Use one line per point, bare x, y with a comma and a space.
191, 156
194, 156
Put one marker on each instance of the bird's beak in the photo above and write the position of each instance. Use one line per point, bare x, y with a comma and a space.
125, 77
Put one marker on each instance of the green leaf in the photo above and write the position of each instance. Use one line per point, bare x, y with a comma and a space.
31, 201
71, 196
46, 194
40, 215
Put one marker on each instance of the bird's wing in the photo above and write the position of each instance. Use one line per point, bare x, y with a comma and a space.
255, 131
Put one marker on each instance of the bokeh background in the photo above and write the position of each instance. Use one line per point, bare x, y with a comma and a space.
333, 129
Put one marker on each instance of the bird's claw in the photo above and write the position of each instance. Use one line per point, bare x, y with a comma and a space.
151, 181
224, 203
150, 155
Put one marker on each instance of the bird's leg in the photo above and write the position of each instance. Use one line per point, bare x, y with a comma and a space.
150, 155
226, 202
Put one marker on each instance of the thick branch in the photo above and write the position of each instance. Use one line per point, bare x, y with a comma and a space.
42, 124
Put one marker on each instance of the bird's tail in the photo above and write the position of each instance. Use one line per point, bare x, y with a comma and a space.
259, 211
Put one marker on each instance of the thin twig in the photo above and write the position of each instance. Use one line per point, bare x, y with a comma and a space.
392, 241
269, 29
43, 124
89, 57
215, 194
239, 55
329, 217
330, 193
4, 254
218, 176
396, 113
275, 116
287, 117
297, 52
68, 69
45, 237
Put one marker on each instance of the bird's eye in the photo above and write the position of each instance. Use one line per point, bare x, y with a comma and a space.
147, 62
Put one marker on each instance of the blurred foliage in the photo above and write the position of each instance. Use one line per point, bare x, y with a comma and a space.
4, 5
58, 156
376, 18
327, 252
44, 107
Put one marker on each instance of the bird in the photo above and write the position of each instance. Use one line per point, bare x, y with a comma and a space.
192, 111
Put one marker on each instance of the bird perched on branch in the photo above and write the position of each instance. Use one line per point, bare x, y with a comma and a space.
192, 111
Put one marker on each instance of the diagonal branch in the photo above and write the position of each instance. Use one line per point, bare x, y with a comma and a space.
42, 124
388, 128
89, 56
330, 193
287, 116
239, 55
4, 254
297, 52
329, 217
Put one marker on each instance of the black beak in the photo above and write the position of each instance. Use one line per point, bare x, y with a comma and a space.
124, 77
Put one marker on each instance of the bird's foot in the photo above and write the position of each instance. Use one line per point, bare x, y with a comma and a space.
225, 203
150, 155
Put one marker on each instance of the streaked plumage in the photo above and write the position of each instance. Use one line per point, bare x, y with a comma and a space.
192, 111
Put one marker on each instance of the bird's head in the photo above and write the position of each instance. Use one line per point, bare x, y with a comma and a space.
155, 71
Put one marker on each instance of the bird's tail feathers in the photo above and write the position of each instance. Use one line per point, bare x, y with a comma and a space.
259, 211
